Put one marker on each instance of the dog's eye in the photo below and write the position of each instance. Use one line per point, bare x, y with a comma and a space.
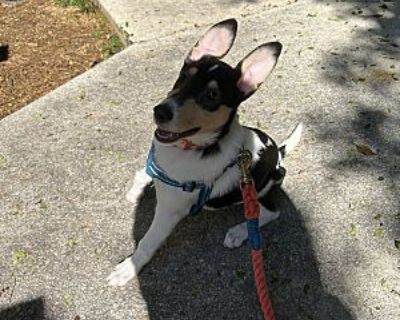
210, 99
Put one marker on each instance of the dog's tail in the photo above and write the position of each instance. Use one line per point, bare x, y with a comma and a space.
291, 142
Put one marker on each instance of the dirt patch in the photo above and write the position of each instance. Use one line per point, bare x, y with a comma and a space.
47, 45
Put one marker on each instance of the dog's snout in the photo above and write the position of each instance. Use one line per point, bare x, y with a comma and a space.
163, 113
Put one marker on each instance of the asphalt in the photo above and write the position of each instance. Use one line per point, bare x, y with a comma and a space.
68, 159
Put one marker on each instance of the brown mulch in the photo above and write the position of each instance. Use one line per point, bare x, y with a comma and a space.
48, 45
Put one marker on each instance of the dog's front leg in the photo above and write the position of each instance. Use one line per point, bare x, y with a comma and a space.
168, 214
238, 234
140, 182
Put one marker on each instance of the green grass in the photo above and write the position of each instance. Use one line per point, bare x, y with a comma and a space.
86, 6
112, 46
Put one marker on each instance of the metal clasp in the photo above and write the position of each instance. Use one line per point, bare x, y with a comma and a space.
244, 160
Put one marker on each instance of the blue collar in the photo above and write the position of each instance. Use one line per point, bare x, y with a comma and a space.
154, 171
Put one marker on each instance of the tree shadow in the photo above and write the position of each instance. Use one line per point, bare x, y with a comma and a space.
26, 310
375, 48
370, 126
194, 277
367, 65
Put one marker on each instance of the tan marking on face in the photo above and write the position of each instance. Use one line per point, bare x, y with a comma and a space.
191, 115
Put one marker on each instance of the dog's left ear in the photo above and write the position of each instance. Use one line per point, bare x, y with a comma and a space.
216, 42
257, 66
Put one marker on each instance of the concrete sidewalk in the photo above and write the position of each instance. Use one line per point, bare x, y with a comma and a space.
148, 20
67, 160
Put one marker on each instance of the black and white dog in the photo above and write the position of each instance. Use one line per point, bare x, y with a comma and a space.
199, 137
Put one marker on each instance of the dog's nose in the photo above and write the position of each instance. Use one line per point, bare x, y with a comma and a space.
163, 113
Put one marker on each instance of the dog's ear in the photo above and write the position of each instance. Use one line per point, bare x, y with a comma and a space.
256, 67
216, 42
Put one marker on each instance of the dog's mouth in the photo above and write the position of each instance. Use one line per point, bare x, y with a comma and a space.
165, 136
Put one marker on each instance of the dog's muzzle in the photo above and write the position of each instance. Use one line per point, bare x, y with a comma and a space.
163, 113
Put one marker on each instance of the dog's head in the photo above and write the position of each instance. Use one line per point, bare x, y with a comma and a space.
204, 99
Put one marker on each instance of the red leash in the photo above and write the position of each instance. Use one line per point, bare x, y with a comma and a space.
252, 211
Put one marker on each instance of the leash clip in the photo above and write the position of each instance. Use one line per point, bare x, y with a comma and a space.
244, 160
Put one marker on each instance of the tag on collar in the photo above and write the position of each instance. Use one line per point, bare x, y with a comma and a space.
186, 145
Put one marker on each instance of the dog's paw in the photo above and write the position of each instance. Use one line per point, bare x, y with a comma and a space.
236, 236
122, 273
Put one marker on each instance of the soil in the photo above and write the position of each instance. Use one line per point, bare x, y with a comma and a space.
47, 45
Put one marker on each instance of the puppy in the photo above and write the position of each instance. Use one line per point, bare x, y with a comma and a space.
198, 138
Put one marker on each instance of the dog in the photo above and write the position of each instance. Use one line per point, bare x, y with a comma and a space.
198, 138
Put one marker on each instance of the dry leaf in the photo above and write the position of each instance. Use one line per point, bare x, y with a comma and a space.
365, 150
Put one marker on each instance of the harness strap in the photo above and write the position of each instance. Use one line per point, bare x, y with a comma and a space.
154, 171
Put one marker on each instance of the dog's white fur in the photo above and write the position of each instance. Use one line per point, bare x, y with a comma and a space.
173, 204
141, 180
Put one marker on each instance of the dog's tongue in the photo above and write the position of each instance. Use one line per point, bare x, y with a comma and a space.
167, 134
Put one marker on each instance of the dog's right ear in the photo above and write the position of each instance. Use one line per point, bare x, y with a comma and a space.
216, 42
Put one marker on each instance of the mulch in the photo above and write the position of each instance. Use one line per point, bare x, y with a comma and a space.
46, 46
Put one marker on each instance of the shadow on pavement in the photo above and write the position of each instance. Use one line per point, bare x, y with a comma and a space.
358, 60
368, 63
194, 277
27, 310
374, 127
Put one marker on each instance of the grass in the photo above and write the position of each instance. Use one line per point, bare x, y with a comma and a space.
112, 46
86, 6
114, 43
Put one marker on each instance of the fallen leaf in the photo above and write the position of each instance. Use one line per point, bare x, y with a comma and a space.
365, 150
